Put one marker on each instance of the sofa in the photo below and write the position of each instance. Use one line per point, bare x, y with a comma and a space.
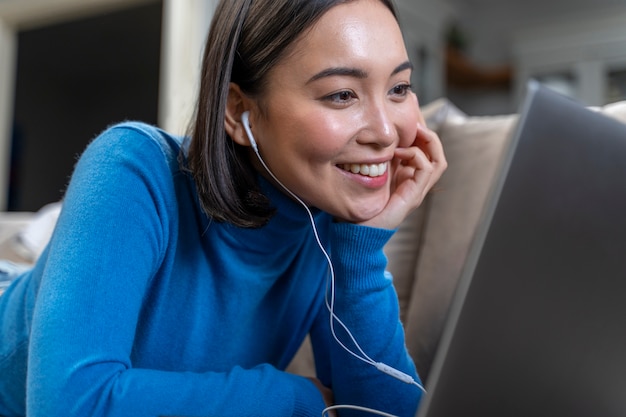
427, 254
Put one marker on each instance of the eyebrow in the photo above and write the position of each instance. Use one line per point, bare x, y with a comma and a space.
354, 72
402, 67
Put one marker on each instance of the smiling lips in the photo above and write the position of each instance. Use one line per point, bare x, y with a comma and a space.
370, 170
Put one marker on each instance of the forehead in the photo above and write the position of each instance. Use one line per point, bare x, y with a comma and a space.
356, 31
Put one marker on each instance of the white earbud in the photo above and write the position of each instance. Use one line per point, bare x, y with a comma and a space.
246, 125
245, 120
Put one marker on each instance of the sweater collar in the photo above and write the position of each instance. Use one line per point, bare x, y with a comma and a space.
289, 212
290, 224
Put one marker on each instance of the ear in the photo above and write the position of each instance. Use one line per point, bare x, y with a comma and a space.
236, 104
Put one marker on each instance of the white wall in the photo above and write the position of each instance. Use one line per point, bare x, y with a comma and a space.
7, 88
185, 26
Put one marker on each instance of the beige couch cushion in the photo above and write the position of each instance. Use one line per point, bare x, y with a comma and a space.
473, 147
615, 110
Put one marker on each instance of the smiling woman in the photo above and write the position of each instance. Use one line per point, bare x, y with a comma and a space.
181, 277
347, 101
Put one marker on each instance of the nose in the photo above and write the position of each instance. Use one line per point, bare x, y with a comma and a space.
379, 128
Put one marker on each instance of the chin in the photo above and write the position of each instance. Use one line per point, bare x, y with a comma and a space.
366, 209
359, 216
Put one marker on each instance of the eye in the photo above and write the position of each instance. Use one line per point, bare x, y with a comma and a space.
341, 97
401, 90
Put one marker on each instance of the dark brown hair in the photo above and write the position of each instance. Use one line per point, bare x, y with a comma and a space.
246, 40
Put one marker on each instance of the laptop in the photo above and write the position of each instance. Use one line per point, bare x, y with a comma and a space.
538, 324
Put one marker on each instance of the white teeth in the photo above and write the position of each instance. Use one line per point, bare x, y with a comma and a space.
370, 170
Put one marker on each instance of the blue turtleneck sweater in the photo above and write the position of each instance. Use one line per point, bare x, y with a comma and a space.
143, 306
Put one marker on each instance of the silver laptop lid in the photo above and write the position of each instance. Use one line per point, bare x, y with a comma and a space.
538, 324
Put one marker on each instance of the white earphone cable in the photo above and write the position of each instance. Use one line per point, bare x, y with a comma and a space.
330, 299
330, 305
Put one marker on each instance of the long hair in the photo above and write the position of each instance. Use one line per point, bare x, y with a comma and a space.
247, 38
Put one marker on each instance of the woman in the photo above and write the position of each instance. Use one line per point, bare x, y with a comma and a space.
183, 275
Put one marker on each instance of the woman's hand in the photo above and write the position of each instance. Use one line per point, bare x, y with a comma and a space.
414, 172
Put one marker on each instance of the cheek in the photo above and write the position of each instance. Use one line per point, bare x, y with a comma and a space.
406, 121
323, 138
407, 127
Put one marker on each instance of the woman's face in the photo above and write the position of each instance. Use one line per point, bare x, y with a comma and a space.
336, 108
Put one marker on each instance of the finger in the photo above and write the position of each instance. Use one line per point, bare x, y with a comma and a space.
416, 170
415, 175
428, 140
411, 180
424, 175
409, 162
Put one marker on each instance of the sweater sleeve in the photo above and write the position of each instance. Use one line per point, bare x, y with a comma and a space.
108, 244
365, 301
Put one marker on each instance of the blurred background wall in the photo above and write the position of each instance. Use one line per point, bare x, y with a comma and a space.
69, 68
488, 49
